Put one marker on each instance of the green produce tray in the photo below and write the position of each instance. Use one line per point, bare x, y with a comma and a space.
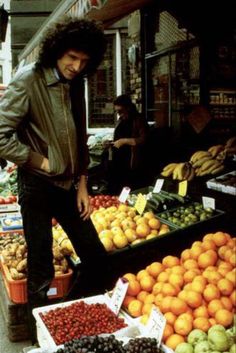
164, 216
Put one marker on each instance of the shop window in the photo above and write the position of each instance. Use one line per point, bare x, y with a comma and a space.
1, 74
109, 80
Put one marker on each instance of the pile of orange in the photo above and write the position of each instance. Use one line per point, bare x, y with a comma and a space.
195, 290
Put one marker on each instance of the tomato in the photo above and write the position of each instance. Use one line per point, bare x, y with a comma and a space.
8, 200
2, 200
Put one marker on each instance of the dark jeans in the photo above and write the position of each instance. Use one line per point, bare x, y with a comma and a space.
40, 201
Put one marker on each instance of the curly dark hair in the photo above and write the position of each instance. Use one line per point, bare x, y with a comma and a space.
74, 33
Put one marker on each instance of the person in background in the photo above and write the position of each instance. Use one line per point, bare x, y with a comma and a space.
43, 131
128, 147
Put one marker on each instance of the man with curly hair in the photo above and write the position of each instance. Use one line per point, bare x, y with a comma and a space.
43, 131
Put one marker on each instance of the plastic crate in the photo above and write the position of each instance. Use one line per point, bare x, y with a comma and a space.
17, 292
47, 342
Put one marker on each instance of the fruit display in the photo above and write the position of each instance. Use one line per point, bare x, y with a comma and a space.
157, 202
193, 291
187, 215
210, 162
8, 186
121, 226
216, 339
105, 201
110, 344
80, 319
14, 256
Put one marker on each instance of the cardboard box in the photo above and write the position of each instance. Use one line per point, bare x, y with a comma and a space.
17, 292
221, 183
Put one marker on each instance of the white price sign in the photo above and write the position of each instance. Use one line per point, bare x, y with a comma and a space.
156, 325
158, 185
118, 295
208, 202
124, 194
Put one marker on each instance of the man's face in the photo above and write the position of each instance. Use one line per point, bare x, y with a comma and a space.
72, 63
121, 111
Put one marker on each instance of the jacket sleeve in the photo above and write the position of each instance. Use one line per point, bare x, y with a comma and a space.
140, 130
14, 107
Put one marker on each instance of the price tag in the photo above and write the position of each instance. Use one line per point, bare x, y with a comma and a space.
158, 185
140, 203
156, 325
118, 295
124, 194
183, 186
208, 202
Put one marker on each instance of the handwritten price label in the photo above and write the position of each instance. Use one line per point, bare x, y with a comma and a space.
156, 325
124, 194
140, 203
118, 295
158, 186
183, 187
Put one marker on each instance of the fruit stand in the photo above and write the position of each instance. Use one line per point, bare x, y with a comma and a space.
161, 253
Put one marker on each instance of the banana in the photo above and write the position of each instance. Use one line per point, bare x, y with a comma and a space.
214, 150
207, 164
221, 156
170, 166
199, 155
200, 161
218, 169
231, 142
177, 172
166, 173
192, 174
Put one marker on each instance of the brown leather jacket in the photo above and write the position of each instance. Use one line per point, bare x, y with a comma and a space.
36, 121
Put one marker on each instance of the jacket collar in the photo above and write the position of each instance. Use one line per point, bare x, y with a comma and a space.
50, 76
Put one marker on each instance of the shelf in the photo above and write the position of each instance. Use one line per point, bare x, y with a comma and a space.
224, 104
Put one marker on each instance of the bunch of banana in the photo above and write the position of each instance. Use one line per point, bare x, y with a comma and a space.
199, 157
216, 149
183, 171
230, 146
168, 169
211, 166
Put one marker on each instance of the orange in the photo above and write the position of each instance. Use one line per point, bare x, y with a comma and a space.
127, 300
224, 317
214, 305
155, 268
178, 306
224, 267
165, 304
225, 286
207, 258
207, 236
232, 259
196, 243
194, 299
170, 317
173, 341
147, 283
226, 303
144, 319
201, 323
170, 261
148, 215
213, 277
222, 250
212, 321
178, 269
211, 292
182, 326
130, 234
195, 251
141, 273
176, 279
182, 294
189, 275
201, 279
129, 276
219, 238
154, 223
169, 289
208, 244
134, 287
188, 316
190, 264
142, 295
201, 311
158, 299
163, 277
157, 288
142, 230
135, 308
147, 308
185, 255
197, 286
168, 330
149, 298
